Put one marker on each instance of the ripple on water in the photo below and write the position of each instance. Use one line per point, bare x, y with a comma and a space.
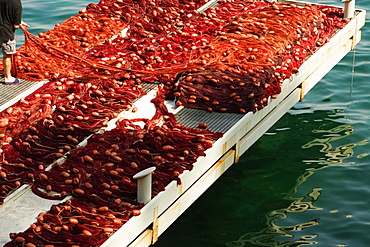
339, 208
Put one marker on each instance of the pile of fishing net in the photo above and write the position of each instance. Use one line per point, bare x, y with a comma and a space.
54, 52
234, 56
80, 97
231, 58
242, 67
100, 177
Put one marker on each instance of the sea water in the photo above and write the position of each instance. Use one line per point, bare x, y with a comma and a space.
305, 182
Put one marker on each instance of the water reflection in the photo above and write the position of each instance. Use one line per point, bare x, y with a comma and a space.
269, 235
336, 156
275, 234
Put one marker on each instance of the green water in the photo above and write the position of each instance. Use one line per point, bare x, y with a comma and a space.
305, 182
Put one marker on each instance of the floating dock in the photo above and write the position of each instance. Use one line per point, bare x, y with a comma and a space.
21, 208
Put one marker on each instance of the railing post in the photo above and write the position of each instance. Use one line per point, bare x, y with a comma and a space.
349, 8
144, 185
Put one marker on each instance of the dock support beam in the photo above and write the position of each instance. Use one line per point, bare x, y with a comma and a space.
144, 185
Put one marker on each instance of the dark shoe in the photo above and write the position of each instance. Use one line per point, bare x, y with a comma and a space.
16, 81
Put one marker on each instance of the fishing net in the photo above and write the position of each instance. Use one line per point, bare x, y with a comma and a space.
100, 177
244, 66
38, 55
59, 51
231, 58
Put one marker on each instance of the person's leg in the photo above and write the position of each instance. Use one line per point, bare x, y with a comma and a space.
8, 50
7, 63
